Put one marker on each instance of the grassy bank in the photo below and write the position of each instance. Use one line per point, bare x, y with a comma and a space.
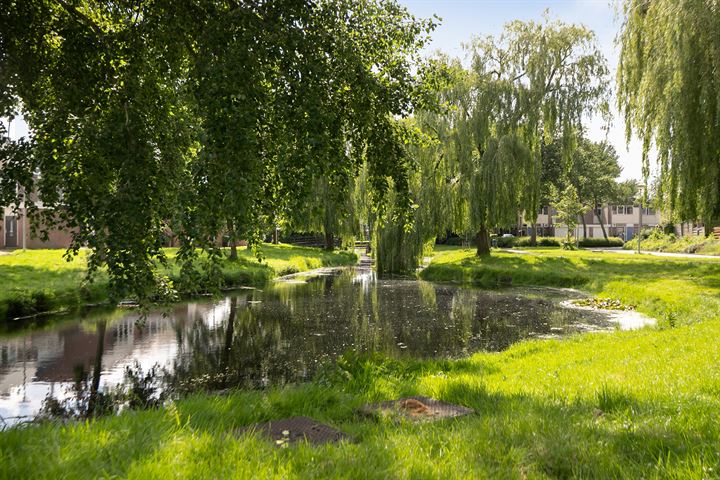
41, 280
673, 290
640, 404
661, 242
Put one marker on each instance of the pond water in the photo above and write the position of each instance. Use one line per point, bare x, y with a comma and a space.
258, 338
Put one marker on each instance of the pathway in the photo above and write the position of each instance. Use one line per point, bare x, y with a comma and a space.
656, 254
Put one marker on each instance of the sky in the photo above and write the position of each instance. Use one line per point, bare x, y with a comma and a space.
464, 19
461, 20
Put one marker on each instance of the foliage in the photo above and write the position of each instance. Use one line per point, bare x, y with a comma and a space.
657, 241
209, 119
669, 93
584, 406
504, 242
540, 242
41, 280
593, 171
602, 242
569, 208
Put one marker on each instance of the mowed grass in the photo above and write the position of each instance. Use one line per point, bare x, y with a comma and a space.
33, 281
672, 290
641, 404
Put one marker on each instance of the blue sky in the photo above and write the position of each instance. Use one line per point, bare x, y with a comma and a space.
464, 19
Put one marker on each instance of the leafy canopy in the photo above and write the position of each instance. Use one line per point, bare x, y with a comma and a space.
669, 92
150, 119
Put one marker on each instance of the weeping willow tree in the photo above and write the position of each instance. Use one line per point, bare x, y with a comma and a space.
403, 231
532, 83
669, 92
330, 209
478, 165
405, 226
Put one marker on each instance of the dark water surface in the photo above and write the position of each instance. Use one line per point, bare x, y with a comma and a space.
282, 334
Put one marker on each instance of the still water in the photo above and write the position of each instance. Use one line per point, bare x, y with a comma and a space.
258, 338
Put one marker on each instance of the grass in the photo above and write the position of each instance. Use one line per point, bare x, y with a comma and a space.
669, 289
641, 404
660, 242
42, 280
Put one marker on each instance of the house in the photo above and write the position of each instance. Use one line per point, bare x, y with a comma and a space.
15, 231
621, 221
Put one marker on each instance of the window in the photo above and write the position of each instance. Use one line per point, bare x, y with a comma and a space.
544, 210
614, 209
628, 210
648, 211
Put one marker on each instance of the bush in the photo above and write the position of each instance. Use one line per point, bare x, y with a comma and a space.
541, 242
601, 242
456, 241
655, 240
504, 242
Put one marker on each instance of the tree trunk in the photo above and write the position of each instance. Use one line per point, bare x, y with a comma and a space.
533, 235
584, 226
229, 333
483, 242
275, 239
97, 368
640, 227
602, 225
329, 241
231, 241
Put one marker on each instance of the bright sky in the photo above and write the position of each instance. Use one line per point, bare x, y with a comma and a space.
464, 19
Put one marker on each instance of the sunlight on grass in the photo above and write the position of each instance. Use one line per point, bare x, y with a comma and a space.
42, 280
637, 404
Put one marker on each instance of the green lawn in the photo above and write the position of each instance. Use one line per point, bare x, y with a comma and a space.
642, 404
41, 280
672, 290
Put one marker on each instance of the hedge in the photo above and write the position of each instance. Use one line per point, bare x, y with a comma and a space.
601, 242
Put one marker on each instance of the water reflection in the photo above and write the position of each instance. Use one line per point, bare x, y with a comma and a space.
258, 338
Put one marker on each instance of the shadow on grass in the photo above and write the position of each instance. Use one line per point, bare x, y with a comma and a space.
27, 290
610, 433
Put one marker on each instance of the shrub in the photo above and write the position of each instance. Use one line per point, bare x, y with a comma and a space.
568, 244
657, 241
505, 242
601, 242
541, 242
456, 241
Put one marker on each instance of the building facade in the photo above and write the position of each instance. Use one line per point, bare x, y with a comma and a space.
621, 221
16, 232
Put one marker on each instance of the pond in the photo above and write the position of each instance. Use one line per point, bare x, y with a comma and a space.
258, 338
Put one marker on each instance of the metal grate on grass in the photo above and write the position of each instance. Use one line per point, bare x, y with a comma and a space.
416, 409
287, 431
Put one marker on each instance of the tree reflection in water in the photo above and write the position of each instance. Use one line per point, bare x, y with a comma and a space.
298, 327
285, 334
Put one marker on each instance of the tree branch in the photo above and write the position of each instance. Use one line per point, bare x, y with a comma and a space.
80, 17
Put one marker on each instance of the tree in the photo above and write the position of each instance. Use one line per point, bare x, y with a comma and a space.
593, 171
204, 120
532, 83
669, 93
569, 208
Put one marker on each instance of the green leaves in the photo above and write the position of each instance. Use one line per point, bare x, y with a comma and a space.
215, 118
669, 92
534, 82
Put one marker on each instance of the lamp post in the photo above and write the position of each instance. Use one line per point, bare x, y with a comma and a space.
640, 225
